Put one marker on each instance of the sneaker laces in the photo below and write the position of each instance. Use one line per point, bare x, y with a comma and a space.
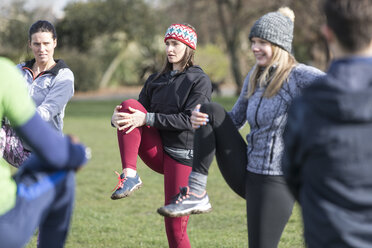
184, 194
121, 181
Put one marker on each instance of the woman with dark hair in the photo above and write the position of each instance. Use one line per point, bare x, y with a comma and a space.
157, 127
50, 84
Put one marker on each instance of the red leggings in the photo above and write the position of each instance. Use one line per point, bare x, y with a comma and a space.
146, 142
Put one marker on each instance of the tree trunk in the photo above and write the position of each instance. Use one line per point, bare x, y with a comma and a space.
235, 67
112, 68
231, 38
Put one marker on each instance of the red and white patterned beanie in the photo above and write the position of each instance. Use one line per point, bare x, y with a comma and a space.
182, 33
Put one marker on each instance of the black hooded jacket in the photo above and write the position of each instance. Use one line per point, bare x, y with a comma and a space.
172, 98
328, 156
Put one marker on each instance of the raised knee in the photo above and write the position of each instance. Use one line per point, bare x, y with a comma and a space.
133, 104
129, 103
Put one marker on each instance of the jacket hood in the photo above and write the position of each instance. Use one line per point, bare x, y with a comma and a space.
194, 69
60, 64
345, 93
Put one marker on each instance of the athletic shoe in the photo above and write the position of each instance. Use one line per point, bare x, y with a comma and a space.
186, 203
126, 186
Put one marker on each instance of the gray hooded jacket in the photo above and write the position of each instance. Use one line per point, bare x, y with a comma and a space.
50, 90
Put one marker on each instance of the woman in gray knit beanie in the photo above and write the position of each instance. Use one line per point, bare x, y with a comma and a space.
252, 170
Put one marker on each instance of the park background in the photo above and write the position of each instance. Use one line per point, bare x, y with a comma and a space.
112, 46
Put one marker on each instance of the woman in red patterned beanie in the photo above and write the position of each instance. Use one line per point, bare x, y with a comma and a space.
157, 126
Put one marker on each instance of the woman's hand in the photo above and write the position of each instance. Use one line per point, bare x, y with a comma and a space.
88, 152
197, 118
128, 120
116, 117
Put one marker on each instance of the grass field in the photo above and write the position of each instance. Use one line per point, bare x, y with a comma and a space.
133, 222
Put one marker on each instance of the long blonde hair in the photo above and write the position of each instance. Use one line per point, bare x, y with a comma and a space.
274, 74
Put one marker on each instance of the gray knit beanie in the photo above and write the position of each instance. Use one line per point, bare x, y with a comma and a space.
276, 28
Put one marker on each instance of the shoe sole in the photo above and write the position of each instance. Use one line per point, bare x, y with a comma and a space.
127, 193
205, 209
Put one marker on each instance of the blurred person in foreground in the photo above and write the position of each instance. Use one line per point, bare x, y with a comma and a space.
41, 194
328, 153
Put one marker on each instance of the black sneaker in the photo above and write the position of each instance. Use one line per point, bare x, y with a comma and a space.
126, 186
186, 203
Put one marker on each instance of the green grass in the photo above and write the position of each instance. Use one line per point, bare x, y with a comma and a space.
133, 222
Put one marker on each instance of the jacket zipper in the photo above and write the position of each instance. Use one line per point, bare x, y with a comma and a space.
256, 121
34, 77
272, 149
256, 115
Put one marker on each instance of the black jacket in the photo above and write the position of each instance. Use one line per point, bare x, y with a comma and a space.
328, 156
172, 99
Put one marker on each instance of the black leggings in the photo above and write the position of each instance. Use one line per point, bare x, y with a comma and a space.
269, 202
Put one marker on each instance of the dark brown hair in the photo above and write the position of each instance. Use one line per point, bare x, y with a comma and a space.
186, 61
42, 26
351, 21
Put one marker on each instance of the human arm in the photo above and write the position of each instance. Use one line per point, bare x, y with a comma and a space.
198, 118
60, 92
57, 152
291, 164
122, 120
199, 92
303, 76
131, 120
171, 112
238, 114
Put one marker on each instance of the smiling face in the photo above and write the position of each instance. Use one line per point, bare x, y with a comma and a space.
42, 45
262, 50
175, 52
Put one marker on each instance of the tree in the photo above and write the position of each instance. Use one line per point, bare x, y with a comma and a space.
309, 44
14, 24
231, 25
15, 20
123, 21
227, 23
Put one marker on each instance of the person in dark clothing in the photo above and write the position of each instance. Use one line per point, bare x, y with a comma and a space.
252, 170
157, 127
327, 159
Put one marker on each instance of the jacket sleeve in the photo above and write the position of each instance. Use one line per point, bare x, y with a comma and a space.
201, 92
58, 96
53, 150
304, 76
291, 162
238, 114
144, 98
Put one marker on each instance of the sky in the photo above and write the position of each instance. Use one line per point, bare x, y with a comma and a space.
57, 5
